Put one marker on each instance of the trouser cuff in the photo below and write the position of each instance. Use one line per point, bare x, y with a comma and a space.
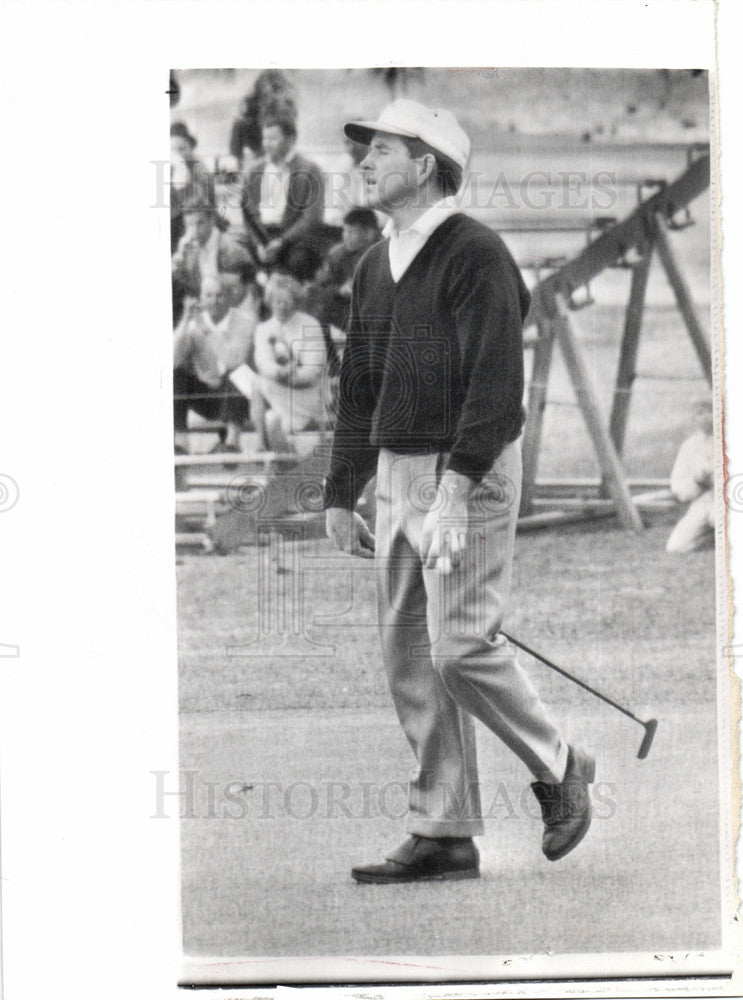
433, 828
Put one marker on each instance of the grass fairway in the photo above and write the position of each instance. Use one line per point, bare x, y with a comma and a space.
265, 866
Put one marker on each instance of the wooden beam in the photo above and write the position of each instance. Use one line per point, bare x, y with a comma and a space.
560, 487
554, 518
235, 458
258, 419
614, 244
609, 461
683, 296
536, 403
626, 369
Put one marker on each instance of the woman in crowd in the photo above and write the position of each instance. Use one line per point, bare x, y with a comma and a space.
290, 362
189, 179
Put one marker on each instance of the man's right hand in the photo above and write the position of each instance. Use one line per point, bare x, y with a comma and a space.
349, 532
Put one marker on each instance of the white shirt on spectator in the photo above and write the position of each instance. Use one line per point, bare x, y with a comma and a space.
693, 470
692, 481
213, 349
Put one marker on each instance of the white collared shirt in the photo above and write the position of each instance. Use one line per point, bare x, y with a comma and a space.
218, 348
405, 245
274, 191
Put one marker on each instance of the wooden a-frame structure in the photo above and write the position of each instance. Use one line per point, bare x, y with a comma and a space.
628, 244
560, 288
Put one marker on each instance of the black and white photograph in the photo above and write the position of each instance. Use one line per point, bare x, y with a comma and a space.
446, 440
370, 499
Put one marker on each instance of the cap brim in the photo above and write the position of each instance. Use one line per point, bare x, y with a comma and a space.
364, 132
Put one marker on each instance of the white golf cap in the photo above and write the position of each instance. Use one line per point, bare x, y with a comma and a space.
437, 127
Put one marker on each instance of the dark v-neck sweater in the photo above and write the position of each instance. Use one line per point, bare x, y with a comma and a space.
433, 363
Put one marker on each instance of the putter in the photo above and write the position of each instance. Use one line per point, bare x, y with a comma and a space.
650, 726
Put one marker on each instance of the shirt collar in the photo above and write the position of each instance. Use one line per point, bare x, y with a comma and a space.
426, 223
220, 327
286, 162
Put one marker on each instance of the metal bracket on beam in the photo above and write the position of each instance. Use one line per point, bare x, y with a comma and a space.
579, 298
680, 220
631, 257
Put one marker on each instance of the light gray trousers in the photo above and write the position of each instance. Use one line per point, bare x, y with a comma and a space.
444, 659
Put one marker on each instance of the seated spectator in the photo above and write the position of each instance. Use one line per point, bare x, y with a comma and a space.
330, 295
202, 251
243, 293
211, 340
271, 91
289, 365
283, 203
189, 179
692, 482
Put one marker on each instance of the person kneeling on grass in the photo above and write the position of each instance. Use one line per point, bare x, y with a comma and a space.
692, 482
289, 365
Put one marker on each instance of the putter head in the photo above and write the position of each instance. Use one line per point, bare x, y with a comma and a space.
647, 741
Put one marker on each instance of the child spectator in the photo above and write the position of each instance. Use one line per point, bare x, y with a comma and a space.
692, 482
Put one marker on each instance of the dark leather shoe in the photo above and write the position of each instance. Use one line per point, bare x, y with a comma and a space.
421, 859
566, 808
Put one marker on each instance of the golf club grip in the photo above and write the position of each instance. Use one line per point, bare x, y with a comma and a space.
575, 680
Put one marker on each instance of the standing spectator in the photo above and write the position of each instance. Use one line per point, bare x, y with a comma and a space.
211, 340
272, 91
283, 203
692, 482
189, 179
202, 250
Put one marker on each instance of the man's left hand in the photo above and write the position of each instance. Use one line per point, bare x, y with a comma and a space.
444, 540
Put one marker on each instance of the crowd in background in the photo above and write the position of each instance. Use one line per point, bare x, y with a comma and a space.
260, 306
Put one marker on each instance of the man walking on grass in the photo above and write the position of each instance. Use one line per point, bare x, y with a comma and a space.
431, 401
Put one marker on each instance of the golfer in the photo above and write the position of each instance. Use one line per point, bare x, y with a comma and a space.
431, 401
